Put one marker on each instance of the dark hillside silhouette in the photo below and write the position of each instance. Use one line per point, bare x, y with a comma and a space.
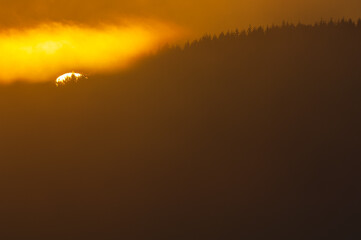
245, 135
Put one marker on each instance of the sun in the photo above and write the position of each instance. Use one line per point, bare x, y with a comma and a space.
69, 77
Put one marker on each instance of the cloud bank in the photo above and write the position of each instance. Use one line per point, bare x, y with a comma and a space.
47, 51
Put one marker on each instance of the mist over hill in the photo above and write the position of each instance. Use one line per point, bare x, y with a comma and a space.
245, 135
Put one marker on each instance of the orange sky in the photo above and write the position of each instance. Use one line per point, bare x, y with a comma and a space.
41, 39
198, 15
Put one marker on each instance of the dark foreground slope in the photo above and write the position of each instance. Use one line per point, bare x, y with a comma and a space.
242, 136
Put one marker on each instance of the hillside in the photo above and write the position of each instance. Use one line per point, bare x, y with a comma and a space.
252, 134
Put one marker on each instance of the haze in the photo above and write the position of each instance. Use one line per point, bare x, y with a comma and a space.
169, 119
200, 16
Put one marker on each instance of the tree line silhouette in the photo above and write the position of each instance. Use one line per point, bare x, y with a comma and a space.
247, 134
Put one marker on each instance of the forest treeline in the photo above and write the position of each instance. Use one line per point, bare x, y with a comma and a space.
243, 135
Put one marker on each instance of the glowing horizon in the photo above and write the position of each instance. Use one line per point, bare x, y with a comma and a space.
40, 53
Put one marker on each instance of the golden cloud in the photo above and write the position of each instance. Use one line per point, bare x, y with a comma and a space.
43, 52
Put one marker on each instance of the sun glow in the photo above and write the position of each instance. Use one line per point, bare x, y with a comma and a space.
68, 77
39, 54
